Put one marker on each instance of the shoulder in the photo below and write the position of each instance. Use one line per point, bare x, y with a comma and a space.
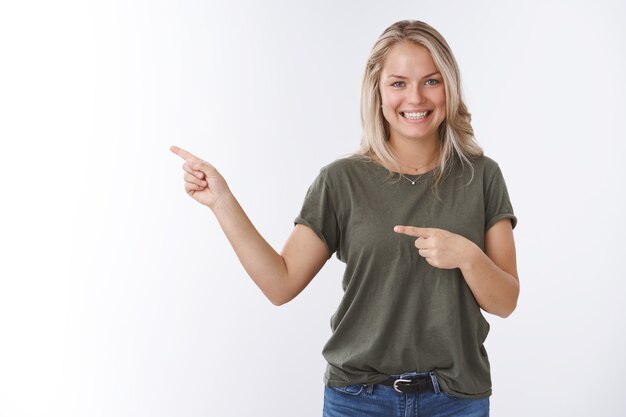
485, 166
481, 171
483, 162
489, 164
345, 165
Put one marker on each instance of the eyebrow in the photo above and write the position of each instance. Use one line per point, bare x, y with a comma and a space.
404, 78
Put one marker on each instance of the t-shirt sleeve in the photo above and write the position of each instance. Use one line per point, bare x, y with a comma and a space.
497, 202
318, 213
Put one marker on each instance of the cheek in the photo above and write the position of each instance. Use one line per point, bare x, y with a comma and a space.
390, 101
387, 114
440, 98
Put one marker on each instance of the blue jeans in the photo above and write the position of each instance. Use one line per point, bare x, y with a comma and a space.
362, 400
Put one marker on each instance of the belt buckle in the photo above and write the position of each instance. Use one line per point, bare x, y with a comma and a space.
395, 384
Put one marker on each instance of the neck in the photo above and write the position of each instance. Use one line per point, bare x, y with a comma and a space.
416, 156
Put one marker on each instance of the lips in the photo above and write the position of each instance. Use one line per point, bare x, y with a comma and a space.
416, 115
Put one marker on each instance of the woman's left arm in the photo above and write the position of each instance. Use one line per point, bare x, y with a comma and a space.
491, 275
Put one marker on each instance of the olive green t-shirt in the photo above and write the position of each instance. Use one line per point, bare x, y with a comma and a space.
398, 313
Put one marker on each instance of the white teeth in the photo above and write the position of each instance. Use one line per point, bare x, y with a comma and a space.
416, 115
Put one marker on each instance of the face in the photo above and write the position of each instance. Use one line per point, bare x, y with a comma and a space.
410, 85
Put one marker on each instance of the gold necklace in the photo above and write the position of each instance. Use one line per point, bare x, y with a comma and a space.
412, 181
421, 175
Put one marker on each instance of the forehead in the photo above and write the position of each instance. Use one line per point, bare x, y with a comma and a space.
408, 59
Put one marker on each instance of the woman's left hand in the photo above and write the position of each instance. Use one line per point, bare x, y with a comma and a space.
440, 248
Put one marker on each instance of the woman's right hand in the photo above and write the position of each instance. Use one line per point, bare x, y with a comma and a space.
280, 276
202, 181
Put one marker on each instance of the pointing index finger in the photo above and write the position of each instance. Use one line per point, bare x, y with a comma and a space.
181, 152
412, 231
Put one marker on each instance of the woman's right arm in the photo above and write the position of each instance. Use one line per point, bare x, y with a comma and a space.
281, 277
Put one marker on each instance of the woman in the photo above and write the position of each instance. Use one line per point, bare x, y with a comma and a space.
424, 223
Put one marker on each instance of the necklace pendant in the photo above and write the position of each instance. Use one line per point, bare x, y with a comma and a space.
410, 180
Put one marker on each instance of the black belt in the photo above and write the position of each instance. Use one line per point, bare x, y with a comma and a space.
410, 385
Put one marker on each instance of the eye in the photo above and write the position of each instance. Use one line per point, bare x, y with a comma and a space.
432, 79
397, 82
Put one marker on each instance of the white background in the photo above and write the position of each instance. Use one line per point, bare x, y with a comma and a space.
120, 295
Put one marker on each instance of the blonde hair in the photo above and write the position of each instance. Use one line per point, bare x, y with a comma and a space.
456, 136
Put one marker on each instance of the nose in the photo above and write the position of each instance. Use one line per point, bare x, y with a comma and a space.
415, 95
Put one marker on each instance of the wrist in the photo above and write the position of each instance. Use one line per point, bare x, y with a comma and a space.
471, 255
223, 202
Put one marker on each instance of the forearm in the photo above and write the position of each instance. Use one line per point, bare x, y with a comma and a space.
263, 264
495, 290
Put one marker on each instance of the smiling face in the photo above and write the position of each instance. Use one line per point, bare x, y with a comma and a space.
412, 94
